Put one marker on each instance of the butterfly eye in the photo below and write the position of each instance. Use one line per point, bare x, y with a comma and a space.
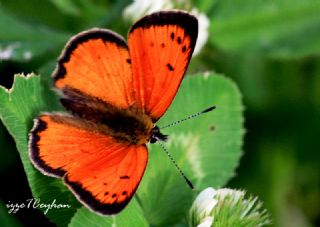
156, 135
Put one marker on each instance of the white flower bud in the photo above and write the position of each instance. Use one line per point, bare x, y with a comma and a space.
140, 8
203, 30
226, 207
202, 207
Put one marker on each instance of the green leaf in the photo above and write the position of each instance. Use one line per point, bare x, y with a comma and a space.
275, 28
22, 41
67, 6
36, 12
19, 106
207, 148
131, 216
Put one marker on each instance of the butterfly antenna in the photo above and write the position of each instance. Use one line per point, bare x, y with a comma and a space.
189, 117
176, 165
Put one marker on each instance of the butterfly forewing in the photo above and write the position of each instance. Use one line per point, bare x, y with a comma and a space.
97, 63
160, 46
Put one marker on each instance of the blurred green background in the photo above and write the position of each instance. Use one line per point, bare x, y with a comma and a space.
270, 48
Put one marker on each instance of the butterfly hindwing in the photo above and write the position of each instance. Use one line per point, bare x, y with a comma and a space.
160, 47
97, 63
102, 172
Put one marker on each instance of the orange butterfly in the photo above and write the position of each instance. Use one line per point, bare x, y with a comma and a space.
115, 93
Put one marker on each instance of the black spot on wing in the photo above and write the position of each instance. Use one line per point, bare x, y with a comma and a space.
172, 36
179, 40
114, 195
170, 67
162, 45
184, 48
124, 192
124, 177
128, 61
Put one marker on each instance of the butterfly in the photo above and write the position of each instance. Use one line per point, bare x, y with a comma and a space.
114, 94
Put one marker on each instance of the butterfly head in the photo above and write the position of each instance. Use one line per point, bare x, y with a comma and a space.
156, 135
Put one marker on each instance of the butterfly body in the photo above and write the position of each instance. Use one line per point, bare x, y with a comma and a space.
128, 125
114, 93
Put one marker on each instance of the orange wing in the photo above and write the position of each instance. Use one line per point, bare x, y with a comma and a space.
97, 63
160, 47
102, 173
